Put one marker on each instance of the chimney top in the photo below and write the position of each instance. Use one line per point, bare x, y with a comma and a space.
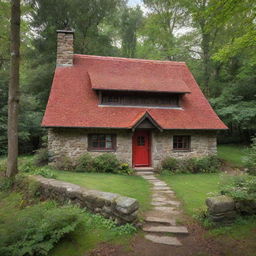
65, 31
65, 49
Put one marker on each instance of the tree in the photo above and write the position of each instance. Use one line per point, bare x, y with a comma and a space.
13, 97
131, 20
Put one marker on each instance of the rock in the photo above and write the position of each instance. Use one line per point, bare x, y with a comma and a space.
126, 205
219, 204
163, 240
166, 229
160, 220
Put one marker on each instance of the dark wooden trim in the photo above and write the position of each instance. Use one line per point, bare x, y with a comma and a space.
91, 148
182, 149
147, 116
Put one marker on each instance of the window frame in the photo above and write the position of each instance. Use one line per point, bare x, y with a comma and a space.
105, 149
184, 149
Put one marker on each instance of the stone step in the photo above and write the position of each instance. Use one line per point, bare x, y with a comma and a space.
167, 209
163, 240
165, 203
143, 169
159, 220
166, 229
144, 173
149, 177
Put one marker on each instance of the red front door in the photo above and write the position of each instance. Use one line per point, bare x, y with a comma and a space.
141, 148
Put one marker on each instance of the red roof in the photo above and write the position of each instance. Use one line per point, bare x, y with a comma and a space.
74, 103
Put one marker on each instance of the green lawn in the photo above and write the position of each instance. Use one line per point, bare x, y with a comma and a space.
232, 154
131, 186
193, 189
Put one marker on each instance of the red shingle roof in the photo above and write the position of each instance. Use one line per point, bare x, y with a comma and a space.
74, 103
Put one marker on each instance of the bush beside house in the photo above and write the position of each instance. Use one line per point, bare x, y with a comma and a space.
209, 164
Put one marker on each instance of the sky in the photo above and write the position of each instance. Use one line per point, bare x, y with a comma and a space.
134, 2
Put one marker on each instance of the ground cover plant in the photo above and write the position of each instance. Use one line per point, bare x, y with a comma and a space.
33, 230
44, 228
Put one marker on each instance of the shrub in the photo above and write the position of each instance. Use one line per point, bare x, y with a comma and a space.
36, 229
170, 163
250, 159
41, 157
125, 169
85, 163
207, 164
3, 165
5, 183
106, 163
239, 187
65, 163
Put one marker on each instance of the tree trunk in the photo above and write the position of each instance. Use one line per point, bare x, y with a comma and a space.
13, 99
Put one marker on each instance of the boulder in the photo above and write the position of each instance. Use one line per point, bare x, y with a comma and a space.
220, 204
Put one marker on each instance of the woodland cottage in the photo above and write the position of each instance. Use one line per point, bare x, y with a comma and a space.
140, 110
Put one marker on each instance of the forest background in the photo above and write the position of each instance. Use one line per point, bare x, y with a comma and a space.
216, 38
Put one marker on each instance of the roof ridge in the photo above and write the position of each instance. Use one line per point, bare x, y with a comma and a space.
131, 59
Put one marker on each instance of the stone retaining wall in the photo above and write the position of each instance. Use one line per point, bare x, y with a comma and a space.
113, 206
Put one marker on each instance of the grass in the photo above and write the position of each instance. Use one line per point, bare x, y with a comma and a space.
232, 154
131, 186
193, 189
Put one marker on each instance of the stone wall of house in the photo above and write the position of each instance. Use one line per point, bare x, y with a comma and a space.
73, 143
119, 208
203, 143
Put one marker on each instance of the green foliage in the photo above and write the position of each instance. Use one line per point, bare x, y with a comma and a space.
250, 158
209, 164
99, 221
239, 187
106, 162
36, 229
3, 165
5, 183
124, 168
65, 163
41, 157
85, 163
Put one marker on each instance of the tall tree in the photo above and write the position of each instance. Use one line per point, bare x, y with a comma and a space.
13, 98
131, 20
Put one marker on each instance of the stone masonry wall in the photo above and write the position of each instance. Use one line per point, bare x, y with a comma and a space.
73, 143
65, 49
203, 143
121, 209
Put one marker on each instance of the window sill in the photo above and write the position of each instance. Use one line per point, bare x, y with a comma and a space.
101, 150
182, 150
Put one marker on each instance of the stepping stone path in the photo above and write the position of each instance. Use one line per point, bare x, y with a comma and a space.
161, 220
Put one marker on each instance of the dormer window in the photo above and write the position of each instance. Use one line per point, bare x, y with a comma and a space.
140, 99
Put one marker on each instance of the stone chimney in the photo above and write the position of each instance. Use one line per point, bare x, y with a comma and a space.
65, 49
